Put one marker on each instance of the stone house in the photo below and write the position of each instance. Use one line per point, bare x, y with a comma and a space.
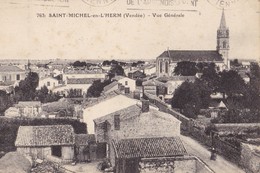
155, 87
126, 82
52, 142
11, 73
136, 121
165, 154
78, 85
105, 106
29, 108
136, 74
49, 82
10, 76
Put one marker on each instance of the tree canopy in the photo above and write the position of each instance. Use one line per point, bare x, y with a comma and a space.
26, 91
185, 68
79, 64
231, 83
191, 97
116, 70
96, 88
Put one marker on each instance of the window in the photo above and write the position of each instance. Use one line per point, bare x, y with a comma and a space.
48, 84
56, 151
105, 128
17, 77
126, 82
224, 44
4, 78
117, 122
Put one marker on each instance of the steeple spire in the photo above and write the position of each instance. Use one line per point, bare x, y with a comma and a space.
223, 21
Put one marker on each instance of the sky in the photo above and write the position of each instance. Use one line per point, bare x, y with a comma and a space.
24, 35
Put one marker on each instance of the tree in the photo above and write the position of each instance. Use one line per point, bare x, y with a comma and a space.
235, 63
210, 77
191, 97
79, 64
95, 89
231, 83
42, 94
5, 101
255, 77
26, 91
185, 68
106, 62
116, 70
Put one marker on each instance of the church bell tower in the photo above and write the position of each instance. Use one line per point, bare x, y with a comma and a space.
223, 40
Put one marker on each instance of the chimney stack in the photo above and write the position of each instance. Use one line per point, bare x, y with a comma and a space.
145, 105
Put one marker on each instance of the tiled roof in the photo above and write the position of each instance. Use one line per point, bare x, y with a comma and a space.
29, 104
134, 111
108, 87
10, 69
193, 55
177, 78
81, 80
45, 135
82, 71
149, 147
84, 139
153, 83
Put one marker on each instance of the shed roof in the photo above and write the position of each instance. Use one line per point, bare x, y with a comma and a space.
84, 139
32, 136
110, 86
149, 147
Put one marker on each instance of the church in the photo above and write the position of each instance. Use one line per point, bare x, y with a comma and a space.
168, 60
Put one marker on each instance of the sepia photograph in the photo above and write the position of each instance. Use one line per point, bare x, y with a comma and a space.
130, 86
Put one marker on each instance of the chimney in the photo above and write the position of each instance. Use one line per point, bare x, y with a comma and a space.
145, 105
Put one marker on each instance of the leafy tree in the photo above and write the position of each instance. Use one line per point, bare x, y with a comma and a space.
5, 101
185, 68
106, 62
255, 77
235, 63
231, 83
79, 64
116, 70
210, 77
42, 94
191, 97
26, 91
97, 87
45, 96
114, 62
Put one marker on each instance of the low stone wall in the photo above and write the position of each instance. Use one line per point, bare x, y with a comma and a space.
250, 157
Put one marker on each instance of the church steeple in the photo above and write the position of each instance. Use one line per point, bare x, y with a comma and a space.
223, 21
223, 39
